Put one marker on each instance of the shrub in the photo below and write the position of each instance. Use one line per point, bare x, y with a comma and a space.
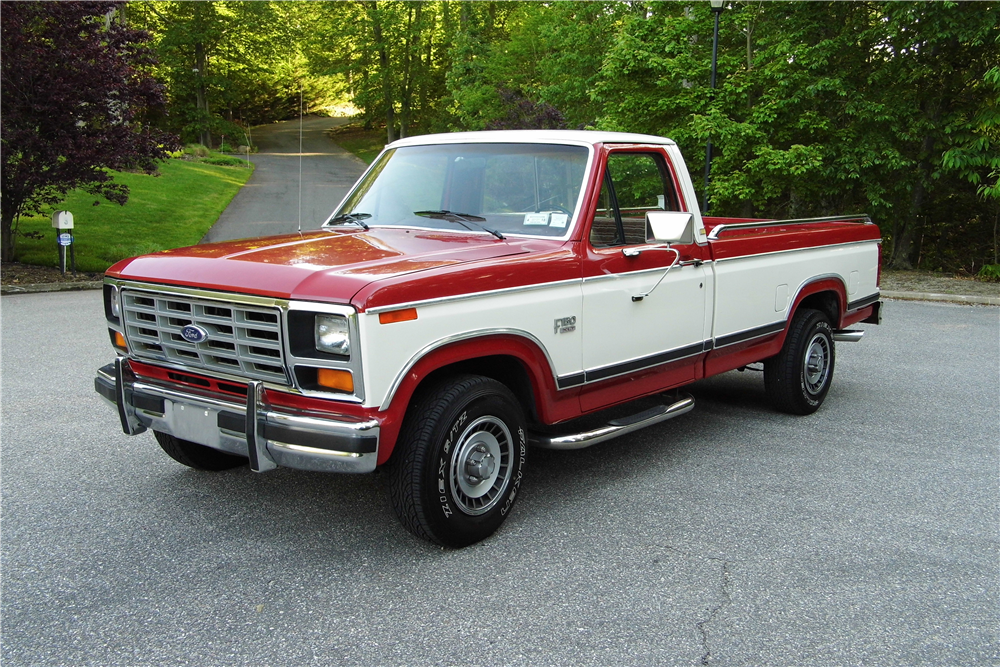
225, 161
989, 273
197, 150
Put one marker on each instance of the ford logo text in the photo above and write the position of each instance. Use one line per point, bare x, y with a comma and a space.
192, 333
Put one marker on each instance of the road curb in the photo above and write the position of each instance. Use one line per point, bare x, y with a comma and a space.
948, 298
50, 287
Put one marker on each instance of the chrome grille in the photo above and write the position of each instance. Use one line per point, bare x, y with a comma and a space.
243, 340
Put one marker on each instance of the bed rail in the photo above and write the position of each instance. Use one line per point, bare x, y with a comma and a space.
863, 219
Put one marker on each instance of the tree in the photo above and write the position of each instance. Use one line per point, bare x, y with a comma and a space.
473, 98
377, 19
824, 108
393, 55
520, 113
226, 61
554, 54
75, 90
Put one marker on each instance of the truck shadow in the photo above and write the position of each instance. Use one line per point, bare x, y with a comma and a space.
719, 402
283, 509
293, 510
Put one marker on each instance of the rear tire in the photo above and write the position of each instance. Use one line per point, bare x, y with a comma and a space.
457, 466
197, 456
798, 378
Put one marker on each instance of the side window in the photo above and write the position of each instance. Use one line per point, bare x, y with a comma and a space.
605, 231
633, 184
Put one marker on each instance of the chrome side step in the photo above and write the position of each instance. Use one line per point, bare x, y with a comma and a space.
614, 428
847, 336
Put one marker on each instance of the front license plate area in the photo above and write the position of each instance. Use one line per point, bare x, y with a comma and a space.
192, 423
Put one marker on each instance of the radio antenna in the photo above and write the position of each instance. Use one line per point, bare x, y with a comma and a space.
300, 160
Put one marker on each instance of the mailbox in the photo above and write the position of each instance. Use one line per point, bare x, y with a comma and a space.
62, 220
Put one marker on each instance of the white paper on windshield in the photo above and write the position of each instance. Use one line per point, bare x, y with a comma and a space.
536, 219
558, 220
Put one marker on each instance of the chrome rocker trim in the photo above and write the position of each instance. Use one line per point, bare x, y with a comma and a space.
847, 336
614, 428
269, 438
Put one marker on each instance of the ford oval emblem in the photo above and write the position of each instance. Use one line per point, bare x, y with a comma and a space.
192, 333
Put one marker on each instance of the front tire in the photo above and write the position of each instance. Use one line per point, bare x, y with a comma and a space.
459, 461
197, 456
798, 378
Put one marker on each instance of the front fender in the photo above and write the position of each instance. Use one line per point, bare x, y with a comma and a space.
551, 404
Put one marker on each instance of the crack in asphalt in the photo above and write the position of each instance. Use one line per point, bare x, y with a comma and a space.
726, 600
724, 593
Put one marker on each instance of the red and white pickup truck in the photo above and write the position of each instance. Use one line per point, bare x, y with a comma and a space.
472, 296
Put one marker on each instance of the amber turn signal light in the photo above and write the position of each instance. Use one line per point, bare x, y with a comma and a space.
120, 340
332, 378
404, 315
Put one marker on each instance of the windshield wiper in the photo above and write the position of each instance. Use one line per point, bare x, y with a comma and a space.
356, 218
460, 218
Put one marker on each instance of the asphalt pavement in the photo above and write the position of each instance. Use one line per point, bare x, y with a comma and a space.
865, 534
269, 202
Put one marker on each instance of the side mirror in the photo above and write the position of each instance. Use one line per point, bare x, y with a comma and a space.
671, 227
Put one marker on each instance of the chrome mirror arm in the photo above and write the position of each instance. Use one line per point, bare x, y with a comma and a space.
677, 258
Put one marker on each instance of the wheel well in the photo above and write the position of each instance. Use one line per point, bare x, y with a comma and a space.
827, 303
505, 369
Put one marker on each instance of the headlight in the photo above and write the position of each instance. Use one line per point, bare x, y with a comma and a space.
332, 335
112, 303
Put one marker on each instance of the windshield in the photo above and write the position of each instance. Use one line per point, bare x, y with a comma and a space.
530, 189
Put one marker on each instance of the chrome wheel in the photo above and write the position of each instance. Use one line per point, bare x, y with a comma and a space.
817, 366
798, 378
481, 465
458, 466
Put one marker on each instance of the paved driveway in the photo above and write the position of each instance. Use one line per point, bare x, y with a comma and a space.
269, 202
865, 534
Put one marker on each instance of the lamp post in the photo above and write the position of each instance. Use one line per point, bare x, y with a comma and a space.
717, 7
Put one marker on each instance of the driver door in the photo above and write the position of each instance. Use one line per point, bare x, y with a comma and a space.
637, 347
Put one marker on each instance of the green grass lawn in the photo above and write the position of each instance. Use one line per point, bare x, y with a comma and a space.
174, 209
366, 144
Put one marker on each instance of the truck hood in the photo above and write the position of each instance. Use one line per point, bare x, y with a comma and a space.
315, 266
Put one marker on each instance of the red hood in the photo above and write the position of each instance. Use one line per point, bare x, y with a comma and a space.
314, 266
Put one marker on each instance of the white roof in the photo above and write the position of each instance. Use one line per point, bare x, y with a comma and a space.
533, 137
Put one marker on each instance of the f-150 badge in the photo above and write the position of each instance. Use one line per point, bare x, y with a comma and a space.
565, 325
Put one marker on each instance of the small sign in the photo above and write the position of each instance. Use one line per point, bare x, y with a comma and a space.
65, 239
536, 219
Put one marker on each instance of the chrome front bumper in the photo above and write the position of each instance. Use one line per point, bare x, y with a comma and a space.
268, 437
